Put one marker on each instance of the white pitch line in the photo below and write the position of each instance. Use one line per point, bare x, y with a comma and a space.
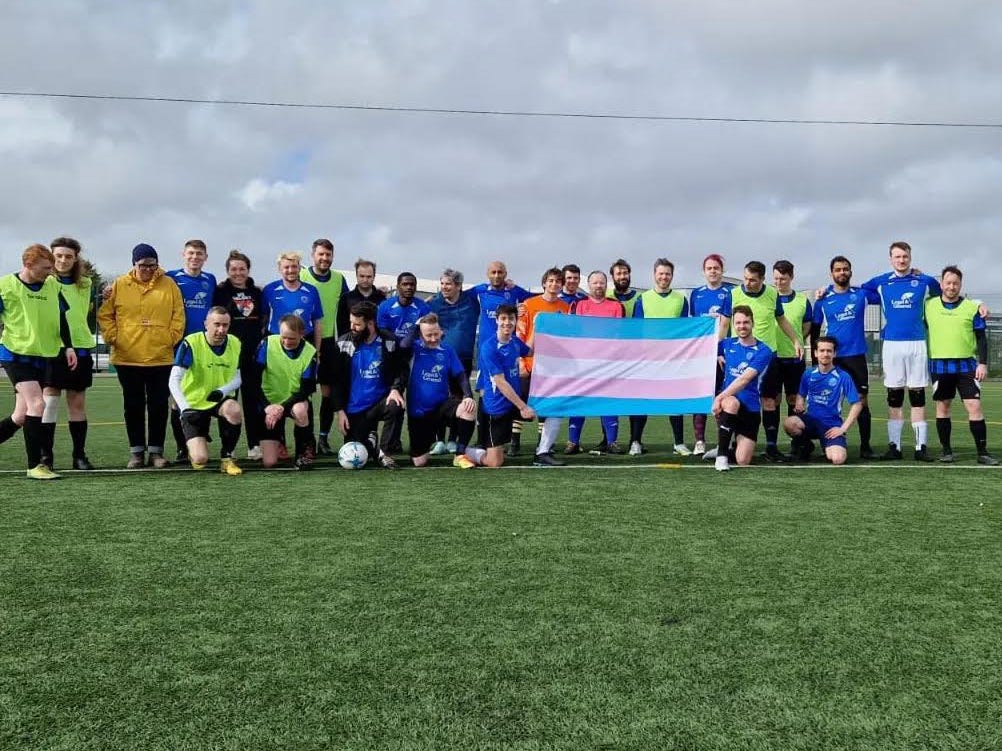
703, 468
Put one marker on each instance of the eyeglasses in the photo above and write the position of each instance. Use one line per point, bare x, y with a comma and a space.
147, 265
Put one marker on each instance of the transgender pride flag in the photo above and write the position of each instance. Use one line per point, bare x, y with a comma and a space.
588, 366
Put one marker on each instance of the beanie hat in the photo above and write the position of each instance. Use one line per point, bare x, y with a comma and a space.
142, 251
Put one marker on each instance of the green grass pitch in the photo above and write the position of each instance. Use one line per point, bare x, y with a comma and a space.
605, 606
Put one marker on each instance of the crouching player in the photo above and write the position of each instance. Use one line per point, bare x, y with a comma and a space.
439, 395
203, 381
819, 407
288, 366
500, 402
737, 407
370, 377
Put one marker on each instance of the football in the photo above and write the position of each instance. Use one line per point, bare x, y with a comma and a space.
353, 455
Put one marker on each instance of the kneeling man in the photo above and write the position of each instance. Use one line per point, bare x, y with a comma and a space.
819, 407
203, 382
440, 396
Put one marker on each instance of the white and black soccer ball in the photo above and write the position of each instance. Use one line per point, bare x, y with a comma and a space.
353, 455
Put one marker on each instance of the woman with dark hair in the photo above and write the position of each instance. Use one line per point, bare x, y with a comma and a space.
242, 299
77, 291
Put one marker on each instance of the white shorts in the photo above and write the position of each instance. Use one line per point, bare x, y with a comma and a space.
906, 365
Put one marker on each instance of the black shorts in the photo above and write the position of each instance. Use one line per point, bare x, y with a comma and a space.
782, 375
59, 376
326, 360
196, 422
24, 370
858, 370
746, 423
422, 431
947, 385
494, 430
274, 434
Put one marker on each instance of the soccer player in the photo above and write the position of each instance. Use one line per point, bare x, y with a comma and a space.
745, 361
78, 294
371, 377
842, 309
596, 304
571, 292
661, 301
500, 402
958, 351
142, 319
621, 275
798, 311
287, 366
906, 364
438, 395
497, 290
363, 291
330, 284
707, 300
242, 300
203, 382
289, 294
819, 406
770, 320
400, 313
197, 286
197, 289
458, 311
33, 312
548, 302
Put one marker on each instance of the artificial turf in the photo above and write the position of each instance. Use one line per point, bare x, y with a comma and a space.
592, 607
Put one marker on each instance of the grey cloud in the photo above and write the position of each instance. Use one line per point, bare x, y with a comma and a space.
426, 191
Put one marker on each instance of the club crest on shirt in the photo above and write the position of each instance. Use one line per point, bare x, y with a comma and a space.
244, 304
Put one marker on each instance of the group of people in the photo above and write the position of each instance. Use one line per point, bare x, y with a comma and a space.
188, 351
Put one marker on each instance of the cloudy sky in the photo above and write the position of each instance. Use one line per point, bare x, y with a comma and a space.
422, 191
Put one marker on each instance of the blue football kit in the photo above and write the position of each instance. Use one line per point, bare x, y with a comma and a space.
400, 319
704, 301
738, 358
902, 299
197, 292
277, 301
431, 371
497, 358
845, 314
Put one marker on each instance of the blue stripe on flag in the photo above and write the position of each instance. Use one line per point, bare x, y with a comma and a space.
557, 324
591, 406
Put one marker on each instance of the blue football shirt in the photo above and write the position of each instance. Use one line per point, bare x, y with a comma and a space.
496, 358
902, 299
277, 301
431, 371
196, 291
739, 358
704, 301
824, 392
845, 314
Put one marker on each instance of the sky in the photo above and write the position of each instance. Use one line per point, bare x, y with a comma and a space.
421, 191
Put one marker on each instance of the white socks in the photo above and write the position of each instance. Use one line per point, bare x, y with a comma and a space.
551, 427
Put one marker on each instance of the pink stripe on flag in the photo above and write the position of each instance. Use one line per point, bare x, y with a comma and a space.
682, 388
635, 350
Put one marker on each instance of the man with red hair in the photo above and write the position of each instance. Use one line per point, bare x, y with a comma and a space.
33, 312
